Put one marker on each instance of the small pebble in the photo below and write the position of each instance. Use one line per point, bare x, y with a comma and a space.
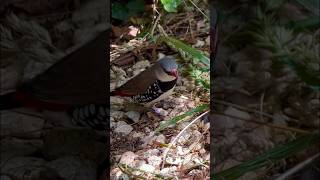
117, 114
161, 111
147, 168
199, 43
161, 139
154, 160
168, 170
133, 115
141, 65
127, 158
123, 127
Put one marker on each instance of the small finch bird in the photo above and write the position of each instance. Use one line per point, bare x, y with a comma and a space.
76, 84
152, 85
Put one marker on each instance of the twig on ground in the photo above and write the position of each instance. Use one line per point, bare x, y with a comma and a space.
156, 21
199, 9
216, 101
298, 167
261, 106
266, 124
177, 137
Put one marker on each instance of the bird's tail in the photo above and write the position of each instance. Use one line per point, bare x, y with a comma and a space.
118, 92
8, 101
112, 93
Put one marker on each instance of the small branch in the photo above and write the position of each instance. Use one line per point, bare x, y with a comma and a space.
216, 101
266, 124
177, 137
298, 167
155, 25
155, 13
199, 9
261, 106
162, 30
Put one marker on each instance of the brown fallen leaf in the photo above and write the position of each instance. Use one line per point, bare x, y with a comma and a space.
125, 59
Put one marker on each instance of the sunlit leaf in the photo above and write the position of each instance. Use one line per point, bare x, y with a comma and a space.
271, 156
179, 118
171, 5
184, 48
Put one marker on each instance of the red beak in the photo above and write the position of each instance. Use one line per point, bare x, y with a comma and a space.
174, 73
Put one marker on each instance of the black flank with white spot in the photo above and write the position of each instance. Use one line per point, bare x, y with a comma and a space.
154, 91
92, 115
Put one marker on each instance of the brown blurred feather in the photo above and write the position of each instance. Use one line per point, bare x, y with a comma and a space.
139, 83
79, 78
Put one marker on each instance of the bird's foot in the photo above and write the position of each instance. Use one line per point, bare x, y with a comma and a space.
156, 110
159, 111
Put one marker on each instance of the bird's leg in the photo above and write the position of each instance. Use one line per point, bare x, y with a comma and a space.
157, 111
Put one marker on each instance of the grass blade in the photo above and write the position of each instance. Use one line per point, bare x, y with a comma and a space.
271, 156
177, 119
306, 24
186, 49
312, 5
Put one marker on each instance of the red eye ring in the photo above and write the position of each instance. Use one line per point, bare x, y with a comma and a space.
174, 73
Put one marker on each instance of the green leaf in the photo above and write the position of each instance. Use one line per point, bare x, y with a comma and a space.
179, 118
186, 49
124, 12
271, 156
171, 5
312, 5
306, 24
274, 4
135, 6
311, 78
203, 83
199, 77
205, 69
119, 11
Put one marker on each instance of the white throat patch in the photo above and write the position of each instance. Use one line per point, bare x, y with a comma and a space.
163, 76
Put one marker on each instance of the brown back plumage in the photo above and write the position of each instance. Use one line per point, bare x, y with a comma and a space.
139, 83
79, 78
